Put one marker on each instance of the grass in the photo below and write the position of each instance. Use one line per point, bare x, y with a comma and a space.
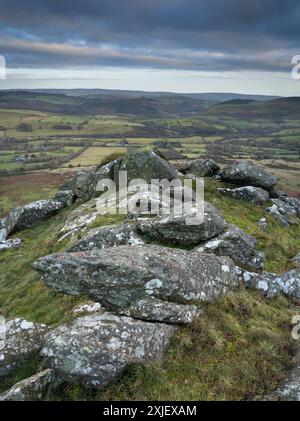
27, 188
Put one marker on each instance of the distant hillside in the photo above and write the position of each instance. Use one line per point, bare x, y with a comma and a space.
240, 108
148, 104
205, 96
107, 104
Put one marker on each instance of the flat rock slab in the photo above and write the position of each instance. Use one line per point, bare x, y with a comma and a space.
271, 284
255, 195
175, 229
120, 276
21, 339
28, 215
237, 245
108, 236
201, 167
33, 388
248, 174
94, 349
10, 244
155, 310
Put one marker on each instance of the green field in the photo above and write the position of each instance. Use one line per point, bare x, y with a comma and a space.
95, 155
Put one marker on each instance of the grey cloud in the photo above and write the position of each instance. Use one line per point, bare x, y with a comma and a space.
182, 34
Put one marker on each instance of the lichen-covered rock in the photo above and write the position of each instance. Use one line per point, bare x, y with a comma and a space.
94, 349
80, 219
175, 229
146, 164
285, 211
136, 202
10, 244
262, 224
201, 168
264, 282
152, 309
248, 174
289, 283
83, 185
255, 195
33, 388
296, 260
22, 339
293, 202
237, 245
271, 284
3, 233
28, 215
87, 308
66, 197
108, 236
120, 276
289, 388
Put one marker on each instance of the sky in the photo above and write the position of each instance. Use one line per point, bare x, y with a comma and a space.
152, 45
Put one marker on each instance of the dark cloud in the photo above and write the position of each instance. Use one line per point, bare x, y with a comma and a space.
183, 34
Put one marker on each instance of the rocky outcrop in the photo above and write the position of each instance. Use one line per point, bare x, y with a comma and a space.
136, 202
120, 276
10, 244
33, 388
201, 168
108, 236
21, 340
175, 229
286, 210
94, 349
255, 195
248, 174
28, 215
237, 245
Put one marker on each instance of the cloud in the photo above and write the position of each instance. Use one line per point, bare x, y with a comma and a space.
216, 35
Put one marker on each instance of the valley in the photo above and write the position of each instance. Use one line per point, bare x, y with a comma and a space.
43, 134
